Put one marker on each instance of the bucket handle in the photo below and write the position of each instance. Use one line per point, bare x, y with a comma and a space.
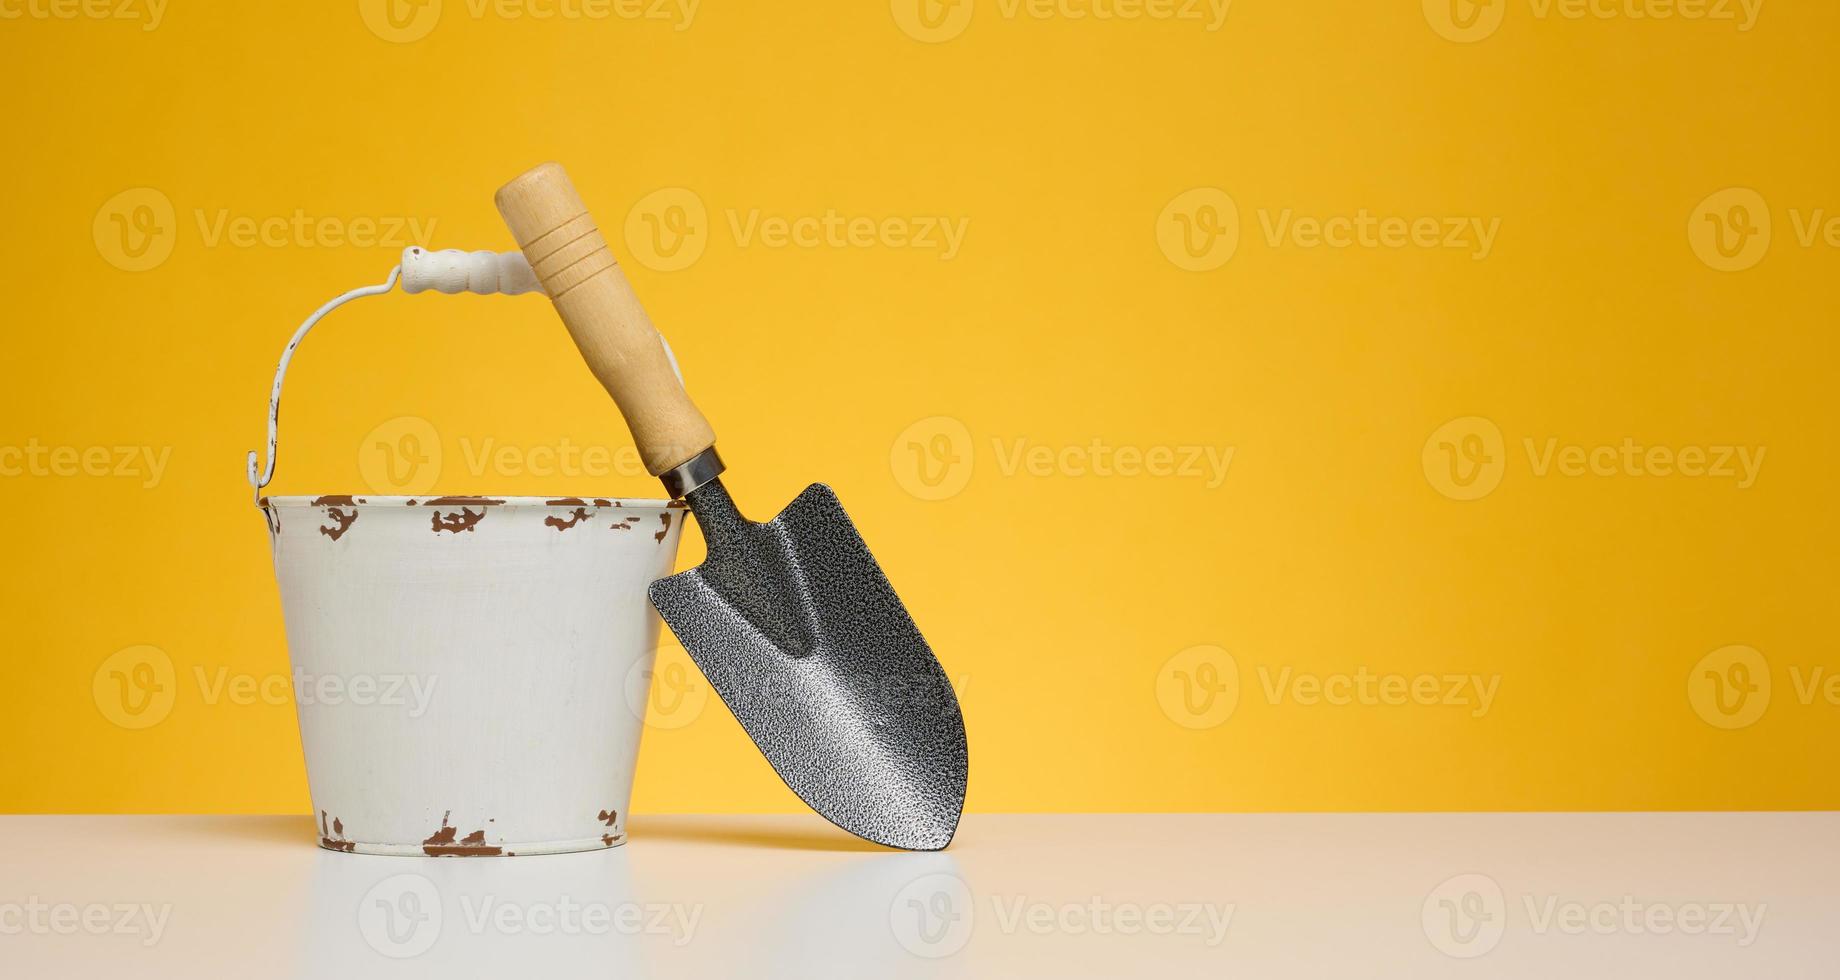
420, 270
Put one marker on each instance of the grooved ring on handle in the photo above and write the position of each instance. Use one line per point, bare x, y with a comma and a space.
569, 254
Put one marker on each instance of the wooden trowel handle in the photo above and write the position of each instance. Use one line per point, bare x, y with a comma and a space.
584, 280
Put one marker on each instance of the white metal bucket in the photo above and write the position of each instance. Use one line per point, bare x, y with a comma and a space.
462, 664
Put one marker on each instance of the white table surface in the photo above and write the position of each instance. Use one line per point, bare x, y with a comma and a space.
1534, 895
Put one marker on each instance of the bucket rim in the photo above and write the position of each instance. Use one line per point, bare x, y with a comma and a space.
466, 500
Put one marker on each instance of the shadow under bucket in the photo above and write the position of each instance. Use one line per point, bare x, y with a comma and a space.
463, 664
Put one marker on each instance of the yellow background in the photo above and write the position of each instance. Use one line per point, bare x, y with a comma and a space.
1061, 601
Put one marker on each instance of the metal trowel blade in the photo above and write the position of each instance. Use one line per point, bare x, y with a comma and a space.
795, 626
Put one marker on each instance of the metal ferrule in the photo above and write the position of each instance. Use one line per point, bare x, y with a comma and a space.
692, 473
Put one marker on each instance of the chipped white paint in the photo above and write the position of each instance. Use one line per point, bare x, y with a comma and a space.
462, 664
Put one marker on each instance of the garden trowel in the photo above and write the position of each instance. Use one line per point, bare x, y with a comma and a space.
792, 621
